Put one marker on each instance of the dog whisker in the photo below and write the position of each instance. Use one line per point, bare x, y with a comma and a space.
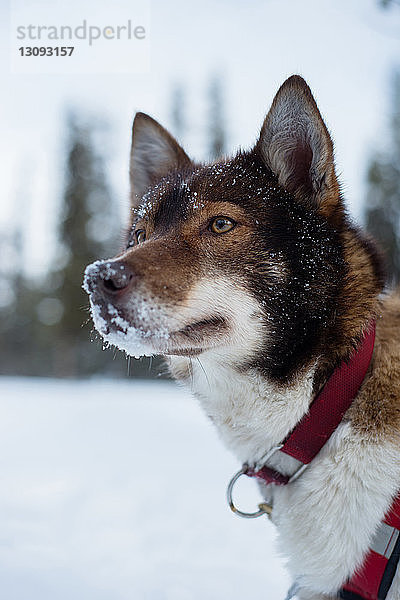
205, 374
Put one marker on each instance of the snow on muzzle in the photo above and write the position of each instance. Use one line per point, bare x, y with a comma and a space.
122, 311
110, 278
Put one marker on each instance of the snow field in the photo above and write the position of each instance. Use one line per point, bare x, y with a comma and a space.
115, 490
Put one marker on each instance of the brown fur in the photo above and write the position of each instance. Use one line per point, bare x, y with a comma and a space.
172, 155
376, 410
320, 185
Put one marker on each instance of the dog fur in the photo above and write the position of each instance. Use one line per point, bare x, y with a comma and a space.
254, 319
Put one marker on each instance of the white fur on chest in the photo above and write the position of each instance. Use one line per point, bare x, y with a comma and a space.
326, 519
251, 414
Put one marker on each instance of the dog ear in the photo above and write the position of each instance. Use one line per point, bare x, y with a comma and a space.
296, 146
154, 153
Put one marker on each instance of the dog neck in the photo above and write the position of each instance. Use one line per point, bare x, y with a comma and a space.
252, 414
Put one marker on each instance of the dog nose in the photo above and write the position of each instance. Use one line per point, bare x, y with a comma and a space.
112, 278
115, 278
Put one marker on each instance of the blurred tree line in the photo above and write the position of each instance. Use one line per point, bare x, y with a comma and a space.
45, 326
382, 206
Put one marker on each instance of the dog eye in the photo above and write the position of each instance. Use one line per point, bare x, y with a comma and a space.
140, 236
221, 225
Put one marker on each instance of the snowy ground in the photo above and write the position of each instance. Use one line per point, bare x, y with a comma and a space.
115, 491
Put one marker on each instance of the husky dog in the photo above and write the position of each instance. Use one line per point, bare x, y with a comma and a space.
252, 265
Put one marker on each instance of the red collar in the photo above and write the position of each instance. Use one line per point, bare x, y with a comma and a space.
326, 412
316, 427
373, 580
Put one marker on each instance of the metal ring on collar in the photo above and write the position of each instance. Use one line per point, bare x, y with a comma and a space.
263, 507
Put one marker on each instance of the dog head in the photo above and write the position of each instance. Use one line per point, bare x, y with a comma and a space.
243, 257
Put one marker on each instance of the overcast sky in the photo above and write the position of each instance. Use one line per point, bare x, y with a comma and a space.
346, 49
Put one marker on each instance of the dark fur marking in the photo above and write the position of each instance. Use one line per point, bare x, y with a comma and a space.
300, 311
